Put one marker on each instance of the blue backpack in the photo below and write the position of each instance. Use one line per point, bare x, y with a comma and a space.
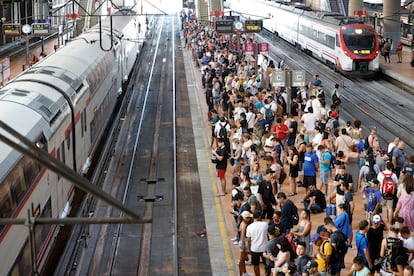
269, 116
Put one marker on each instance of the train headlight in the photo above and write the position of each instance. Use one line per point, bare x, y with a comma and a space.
358, 31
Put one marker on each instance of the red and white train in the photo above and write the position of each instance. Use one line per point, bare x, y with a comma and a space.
346, 45
63, 104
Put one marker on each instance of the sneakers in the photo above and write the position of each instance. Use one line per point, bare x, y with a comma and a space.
235, 242
247, 274
234, 239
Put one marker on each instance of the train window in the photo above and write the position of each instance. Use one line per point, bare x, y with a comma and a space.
18, 186
23, 266
68, 139
337, 41
6, 202
63, 152
41, 231
85, 124
81, 124
31, 170
58, 157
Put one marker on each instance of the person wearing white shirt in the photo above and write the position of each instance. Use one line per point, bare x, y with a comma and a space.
389, 203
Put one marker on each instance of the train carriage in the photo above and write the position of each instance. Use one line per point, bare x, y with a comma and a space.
62, 104
346, 45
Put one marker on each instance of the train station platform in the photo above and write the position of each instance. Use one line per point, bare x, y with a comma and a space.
401, 72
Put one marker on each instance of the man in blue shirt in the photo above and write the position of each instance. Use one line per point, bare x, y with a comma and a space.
324, 168
310, 166
361, 242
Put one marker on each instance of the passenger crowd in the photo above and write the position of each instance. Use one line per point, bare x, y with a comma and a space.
262, 146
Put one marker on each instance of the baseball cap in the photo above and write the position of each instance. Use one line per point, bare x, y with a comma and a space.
376, 219
269, 170
334, 114
246, 214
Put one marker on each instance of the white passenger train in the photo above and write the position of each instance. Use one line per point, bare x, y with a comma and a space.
63, 104
349, 47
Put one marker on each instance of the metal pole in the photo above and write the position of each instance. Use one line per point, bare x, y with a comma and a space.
27, 51
288, 90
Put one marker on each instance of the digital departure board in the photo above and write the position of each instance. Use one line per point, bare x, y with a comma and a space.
224, 26
40, 29
253, 26
12, 29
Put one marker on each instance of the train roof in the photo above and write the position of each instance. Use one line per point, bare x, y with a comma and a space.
25, 121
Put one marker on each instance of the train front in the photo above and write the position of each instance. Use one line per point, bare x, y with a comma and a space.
360, 49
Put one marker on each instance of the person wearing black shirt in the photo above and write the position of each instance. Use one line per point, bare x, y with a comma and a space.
287, 208
314, 200
265, 194
221, 155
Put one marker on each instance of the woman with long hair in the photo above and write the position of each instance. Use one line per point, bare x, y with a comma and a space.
293, 161
284, 256
303, 229
405, 207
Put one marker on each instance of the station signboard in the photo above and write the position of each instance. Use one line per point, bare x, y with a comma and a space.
12, 29
279, 78
249, 48
264, 48
253, 26
40, 29
224, 26
298, 78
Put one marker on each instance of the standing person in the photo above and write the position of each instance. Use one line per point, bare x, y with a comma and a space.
245, 221
375, 236
324, 168
386, 50
361, 242
338, 242
265, 194
405, 208
256, 234
310, 167
222, 130
288, 210
372, 142
385, 178
392, 251
398, 159
373, 197
342, 222
293, 161
399, 51
336, 97
221, 155
354, 159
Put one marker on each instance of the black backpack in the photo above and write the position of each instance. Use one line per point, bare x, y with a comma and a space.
341, 243
294, 220
223, 131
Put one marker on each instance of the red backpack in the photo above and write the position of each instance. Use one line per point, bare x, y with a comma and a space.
388, 186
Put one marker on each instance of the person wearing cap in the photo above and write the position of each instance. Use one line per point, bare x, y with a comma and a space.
359, 268
375, 236
373, 198
265, 193
245, 221
256, 234
361, 242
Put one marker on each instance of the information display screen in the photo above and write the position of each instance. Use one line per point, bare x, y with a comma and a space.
253, 26
12, 29
41, 29
224, 26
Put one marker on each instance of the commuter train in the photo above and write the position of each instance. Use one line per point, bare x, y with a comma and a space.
62, 104
347, 46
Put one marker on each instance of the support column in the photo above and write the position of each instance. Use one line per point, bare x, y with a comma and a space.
354, 5
392, 22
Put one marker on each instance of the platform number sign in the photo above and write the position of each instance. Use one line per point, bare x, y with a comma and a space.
249, 48
298, 78
264, 48
40, 29
279, 78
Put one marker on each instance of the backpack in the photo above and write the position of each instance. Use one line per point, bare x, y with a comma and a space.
269, 116
371, 175
390, 154
397, 250
292, 243
366, 144
223, 131
388, 186
331, 124
341, 243
294, 220
333, 160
